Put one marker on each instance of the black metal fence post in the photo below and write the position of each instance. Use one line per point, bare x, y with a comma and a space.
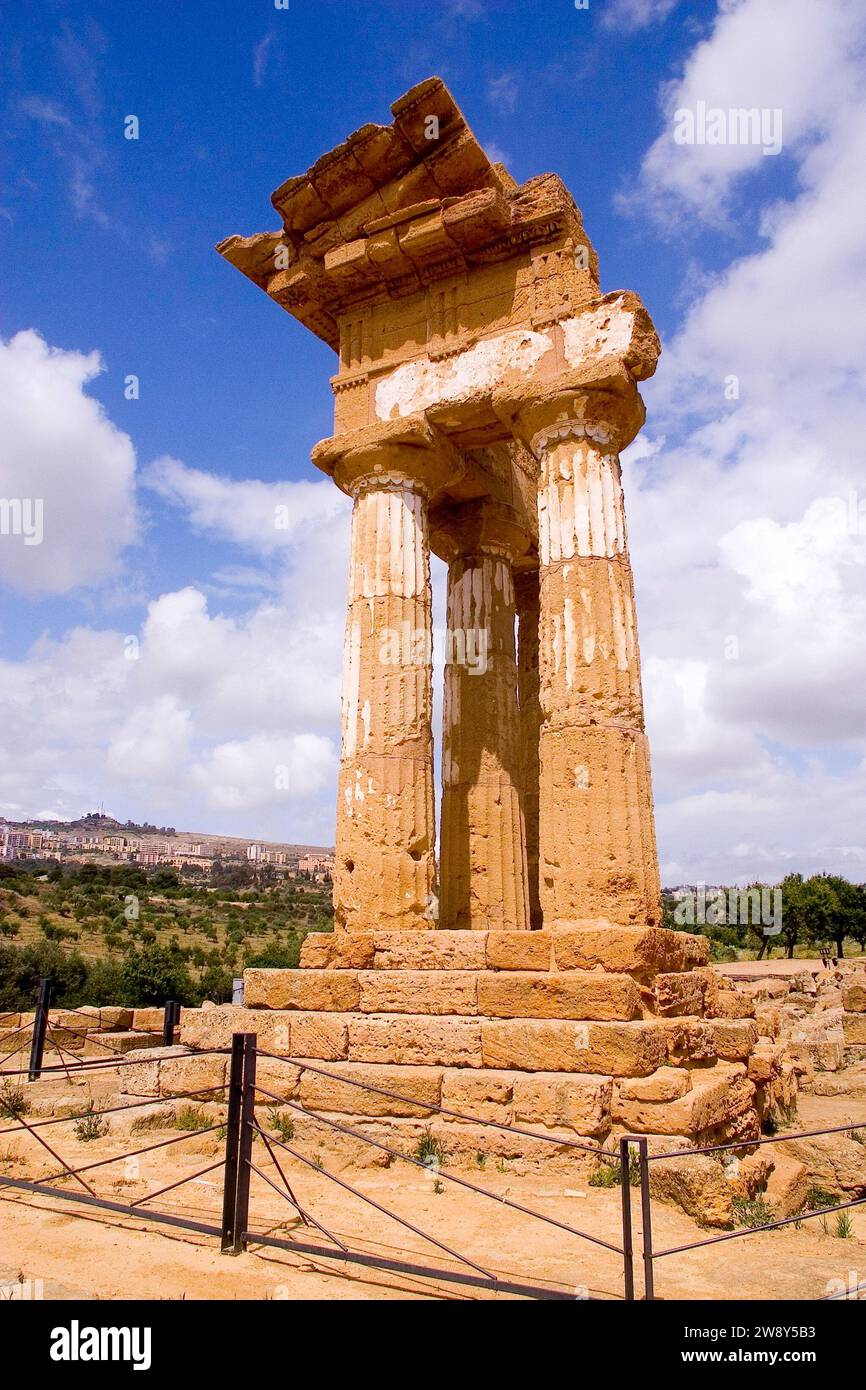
233, 1129
245, 1147
627, 1242
40, 1026
170, 1019
646, 1221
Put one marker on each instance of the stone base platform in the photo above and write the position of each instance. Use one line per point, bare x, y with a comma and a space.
590, 1032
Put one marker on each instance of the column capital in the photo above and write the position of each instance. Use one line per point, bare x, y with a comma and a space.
396, 453
479, 526
608, 412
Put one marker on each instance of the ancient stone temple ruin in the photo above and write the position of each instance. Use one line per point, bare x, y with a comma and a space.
484, 392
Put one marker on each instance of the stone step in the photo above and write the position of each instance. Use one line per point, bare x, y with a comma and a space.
638, 951
615, 1048
674, 1101
580, 995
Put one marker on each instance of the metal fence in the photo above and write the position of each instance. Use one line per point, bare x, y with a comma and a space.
631, 1163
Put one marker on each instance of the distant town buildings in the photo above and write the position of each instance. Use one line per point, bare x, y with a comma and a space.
19, 841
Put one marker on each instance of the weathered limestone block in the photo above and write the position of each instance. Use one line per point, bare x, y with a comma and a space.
206, 1028
612, 1049
816, 1042
518, 950
787, 1184
405, 991
198, 1075
582, 995
429, 950
718, 1094
408, 1038
668, 1083
728, 1003
143, 1080
483, 1095
118, 1042
835, 1162
323, 1037
276, 1080
420, 1086
854, 1029
116, 1020
463, 1142
638, 951
580, 1103
335, 991
678, 994
73, 1021
699, 1040
148, 1020
854, 995
336, 950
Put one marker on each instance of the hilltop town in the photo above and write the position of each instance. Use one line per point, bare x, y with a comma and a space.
97, 837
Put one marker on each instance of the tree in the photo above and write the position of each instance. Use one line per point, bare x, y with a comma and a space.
154, 975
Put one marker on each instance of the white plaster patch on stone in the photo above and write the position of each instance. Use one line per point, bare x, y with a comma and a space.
603, 332
351, 688
416, 385
570, 640
581, 777
589, 633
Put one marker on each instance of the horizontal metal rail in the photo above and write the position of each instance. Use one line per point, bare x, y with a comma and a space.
115, 1109
44, 1190
594, 1149
98, 1064
756, 1230
753, 1143
451, 1276
136, 1153
170, 1187
440, 1172
371, 1201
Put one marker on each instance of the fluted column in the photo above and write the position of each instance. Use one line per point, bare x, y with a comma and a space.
483, 876
598, 860
385, 838
526, 590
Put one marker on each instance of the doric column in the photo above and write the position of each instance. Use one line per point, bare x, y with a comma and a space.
598, 860
483, 879
385, 838
526, 586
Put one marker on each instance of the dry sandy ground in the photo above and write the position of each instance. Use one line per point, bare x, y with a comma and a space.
82, 1253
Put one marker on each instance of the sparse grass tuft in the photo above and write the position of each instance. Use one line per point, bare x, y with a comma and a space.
191, 1118
752, 1212
818, 1197
844, 1229
282, 1122
91, 1125
14, 1104
428, 1150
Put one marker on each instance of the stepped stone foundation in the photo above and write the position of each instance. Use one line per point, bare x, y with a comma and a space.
484, 391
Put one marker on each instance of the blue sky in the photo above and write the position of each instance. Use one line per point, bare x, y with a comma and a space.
734, 504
